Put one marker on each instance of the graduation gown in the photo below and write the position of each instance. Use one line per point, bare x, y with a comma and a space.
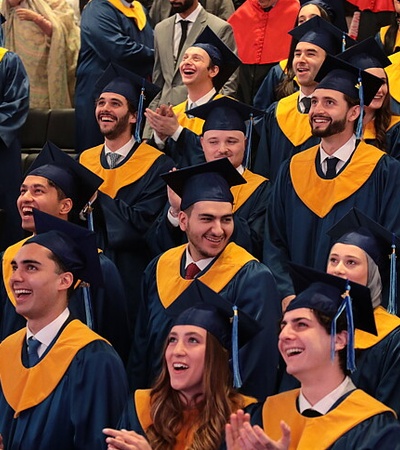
378, 360
304, 206
238, 278
355, 422
136, 417
392, 136
284, 131
129, 200
250, 202
14, 107
105, 306
78, 387
110, 33
393, 74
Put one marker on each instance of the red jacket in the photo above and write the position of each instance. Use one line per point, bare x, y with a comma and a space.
262, 37
373, 5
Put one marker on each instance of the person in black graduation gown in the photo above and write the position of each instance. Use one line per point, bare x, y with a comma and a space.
328, 411
224, 135
60, 186
61, 383
133, 193
361, 254
305, 201
226, 268
196, 383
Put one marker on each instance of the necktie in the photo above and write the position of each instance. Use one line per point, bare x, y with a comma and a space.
306, 101
191, 271
33, 345
184, 26
331, 168
311, 413
113, 159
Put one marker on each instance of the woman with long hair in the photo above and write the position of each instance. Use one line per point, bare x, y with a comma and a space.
389, 36
193, 396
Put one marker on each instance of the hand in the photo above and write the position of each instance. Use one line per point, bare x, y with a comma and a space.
125, 440
27, 14
163, 121
232, 429
1, 443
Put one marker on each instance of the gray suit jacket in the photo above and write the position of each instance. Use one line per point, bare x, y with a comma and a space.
166, 72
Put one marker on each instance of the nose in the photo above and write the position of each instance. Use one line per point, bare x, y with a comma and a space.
217, 228
339, 269
15, 276
286, 333
179, 348
27, 196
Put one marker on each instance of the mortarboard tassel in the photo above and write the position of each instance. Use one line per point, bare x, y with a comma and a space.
343, 42
359, 130
249, 133
347, 306
88, 305
139, 117
237, 380
392, 305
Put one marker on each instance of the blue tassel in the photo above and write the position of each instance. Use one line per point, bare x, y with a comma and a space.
392, 306
249, 132
88, 306
237, 379
90, 217
346, 305
139, 117
359, 131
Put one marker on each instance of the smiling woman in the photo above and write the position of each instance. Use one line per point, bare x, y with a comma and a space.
193, 397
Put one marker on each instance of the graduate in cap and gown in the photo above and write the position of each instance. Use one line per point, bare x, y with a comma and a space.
58, 185
61, 383
224, 134
205, 67
307, 199
365, 252
226, 268
328, 411
133, 193
285, 128
196, 391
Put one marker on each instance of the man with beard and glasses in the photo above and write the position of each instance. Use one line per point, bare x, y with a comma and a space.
285, 130
133, 193
189, 20
317, 187
228, 269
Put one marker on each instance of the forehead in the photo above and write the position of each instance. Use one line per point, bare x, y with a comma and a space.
223, 134
300, 313
182, 330
378, 72
32, 251
308, 47
309, 10
212, 208
328, 93
32, 180
347, 249
112, 96
197, 51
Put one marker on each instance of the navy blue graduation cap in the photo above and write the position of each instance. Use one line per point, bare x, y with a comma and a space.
332, 296
220, 54
366, 55
75, 246
226, 113
75, 180
355, 228
320, 32
209, 181
138, 91
201, 306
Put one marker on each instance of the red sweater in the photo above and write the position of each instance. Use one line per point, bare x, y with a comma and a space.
373, 5
262, 37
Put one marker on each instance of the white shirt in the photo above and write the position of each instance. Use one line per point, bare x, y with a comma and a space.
178, 28
47, 334
123, 151
343, 154
301, 105
326, 403
201, 264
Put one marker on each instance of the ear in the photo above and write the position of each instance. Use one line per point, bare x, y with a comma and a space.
66, 280
213, 71
341, 340
133, 117
183, 220
353, 113
65, 206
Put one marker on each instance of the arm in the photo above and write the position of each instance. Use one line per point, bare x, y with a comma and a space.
44, 24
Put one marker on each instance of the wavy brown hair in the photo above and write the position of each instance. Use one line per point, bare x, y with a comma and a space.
220, 400
382, 119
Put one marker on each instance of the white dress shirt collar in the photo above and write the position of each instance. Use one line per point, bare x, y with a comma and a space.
201, 264
124, 150
343, 154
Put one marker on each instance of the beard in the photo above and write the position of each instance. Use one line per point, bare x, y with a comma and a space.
335, 127
119, 127
181, 7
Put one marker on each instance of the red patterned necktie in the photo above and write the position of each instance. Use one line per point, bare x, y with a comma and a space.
191, 271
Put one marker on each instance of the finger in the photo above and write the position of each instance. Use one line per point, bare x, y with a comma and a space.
286, 435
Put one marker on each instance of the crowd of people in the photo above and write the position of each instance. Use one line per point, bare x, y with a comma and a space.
216, 268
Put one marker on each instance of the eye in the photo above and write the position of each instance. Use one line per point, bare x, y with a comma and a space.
227, 219
101, 103
171, 339
193, 340
31, 268
333, 260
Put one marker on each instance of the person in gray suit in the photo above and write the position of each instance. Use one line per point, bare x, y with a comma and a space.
169, 48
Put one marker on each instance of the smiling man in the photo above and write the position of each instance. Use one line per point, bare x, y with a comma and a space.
206, 218
285, 125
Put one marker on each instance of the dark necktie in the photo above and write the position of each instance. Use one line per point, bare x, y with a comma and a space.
191, 271
306, 101
113, 159
184, 26
311, 413
331, 168
33, 345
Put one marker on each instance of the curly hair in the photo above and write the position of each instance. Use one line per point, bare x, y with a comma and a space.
168, 412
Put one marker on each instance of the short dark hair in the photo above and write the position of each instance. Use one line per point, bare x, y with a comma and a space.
61, 268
